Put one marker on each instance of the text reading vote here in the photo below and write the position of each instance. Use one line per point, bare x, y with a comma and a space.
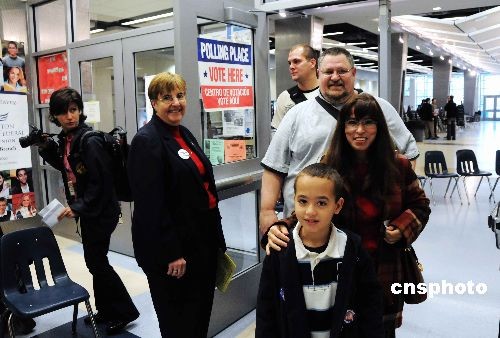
223, 74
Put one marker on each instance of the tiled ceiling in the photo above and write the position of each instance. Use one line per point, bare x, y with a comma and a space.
477, 32
355, 35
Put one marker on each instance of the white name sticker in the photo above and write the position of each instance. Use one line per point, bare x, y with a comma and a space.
183, 154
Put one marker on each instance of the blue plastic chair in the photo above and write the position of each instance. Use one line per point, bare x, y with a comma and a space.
20, 249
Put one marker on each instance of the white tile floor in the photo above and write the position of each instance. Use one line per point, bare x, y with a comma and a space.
456, 246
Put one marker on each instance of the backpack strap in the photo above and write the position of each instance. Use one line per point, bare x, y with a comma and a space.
328, 107
296, 95
86, 135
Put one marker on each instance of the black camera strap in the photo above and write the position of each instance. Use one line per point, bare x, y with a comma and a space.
328, 107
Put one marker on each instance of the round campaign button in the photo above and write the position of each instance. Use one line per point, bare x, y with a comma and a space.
183, 154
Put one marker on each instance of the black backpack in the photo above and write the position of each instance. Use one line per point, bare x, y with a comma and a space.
116, 144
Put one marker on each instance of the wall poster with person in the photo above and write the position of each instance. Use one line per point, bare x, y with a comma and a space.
14, 79
16, 186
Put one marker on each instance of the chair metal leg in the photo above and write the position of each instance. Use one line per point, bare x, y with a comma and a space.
454, 187
466, 192
75, 313
458, 190
491, 189
449, 181
479, 185
92, 320
10, 324
494, 187
432, 191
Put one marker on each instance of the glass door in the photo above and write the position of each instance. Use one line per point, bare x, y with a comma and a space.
97, 72
144, 56
491, 108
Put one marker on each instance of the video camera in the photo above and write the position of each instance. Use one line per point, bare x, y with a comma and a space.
34, 137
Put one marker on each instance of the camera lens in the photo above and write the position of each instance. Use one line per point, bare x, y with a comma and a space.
24, 141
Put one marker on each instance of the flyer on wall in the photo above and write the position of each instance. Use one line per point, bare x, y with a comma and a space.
52, 74
17, 198
225, 70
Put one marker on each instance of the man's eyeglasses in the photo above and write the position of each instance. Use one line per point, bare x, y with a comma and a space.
340, 72
366, 123
169, 98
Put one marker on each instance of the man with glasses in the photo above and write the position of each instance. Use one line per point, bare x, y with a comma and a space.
303, 67
307, 128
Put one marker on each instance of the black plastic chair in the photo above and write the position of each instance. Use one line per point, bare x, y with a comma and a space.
435, 167
467, 167
497, 170
28, 297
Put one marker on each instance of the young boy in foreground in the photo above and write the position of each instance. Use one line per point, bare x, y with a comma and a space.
323, 283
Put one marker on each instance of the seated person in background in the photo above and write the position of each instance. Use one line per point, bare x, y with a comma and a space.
27, 209
323, 284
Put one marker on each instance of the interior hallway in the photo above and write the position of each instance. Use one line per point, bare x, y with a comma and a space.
456, 246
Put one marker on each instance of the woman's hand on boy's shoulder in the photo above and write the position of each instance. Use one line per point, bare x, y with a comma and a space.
277, 238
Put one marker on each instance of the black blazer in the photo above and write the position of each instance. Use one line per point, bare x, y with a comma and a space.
169, 196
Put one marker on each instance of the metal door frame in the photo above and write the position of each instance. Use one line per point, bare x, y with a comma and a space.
241, 297
496, 108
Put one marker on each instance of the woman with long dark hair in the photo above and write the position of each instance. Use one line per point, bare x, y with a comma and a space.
385, 204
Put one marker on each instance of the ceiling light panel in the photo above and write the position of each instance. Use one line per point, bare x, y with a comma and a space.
332, 34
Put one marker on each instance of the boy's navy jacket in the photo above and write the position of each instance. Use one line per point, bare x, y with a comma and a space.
281, 308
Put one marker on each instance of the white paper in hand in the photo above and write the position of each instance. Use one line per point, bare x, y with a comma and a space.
50, 212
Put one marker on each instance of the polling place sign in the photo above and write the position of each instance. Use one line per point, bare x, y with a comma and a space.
226, 74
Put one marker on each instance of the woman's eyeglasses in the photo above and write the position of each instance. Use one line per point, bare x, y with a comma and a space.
169, 98
366, 123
